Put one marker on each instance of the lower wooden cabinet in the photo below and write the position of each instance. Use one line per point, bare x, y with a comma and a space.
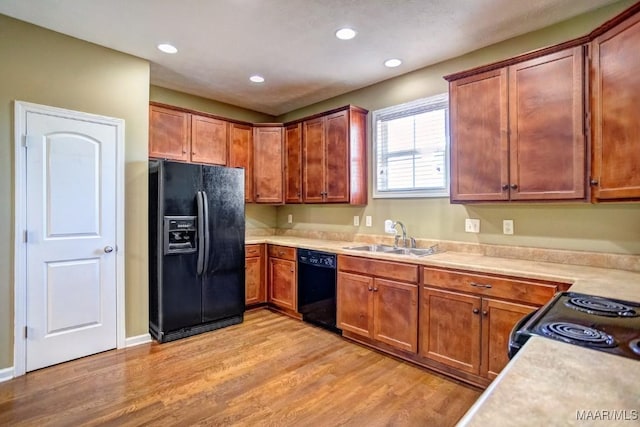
376, 307
255, 289
465, 323
283, 284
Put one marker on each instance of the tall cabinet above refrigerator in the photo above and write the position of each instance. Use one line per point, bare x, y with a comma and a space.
196, 248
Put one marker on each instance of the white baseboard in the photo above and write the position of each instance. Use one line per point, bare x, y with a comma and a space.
6, 374
137, 340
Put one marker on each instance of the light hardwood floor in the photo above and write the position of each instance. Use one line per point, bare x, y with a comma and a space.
270, 370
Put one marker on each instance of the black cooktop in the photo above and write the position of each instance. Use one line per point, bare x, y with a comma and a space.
603, 324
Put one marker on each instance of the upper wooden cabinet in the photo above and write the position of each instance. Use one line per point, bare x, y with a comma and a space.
268, 165
293, 163
517, 131
183, 136
615, 83
334, 159
169, 132
208, 140
241, 154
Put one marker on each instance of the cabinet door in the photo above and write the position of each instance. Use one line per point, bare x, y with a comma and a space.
254, 280
479, 137
450, 329
355, 304
546, 118
268, 162
337, 157
615, 122
293, 166
313, 160
395, 308
208, 140
168, 133
282, 283
241, 154
498, 319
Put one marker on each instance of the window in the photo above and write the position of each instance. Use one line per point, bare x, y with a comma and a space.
411, 144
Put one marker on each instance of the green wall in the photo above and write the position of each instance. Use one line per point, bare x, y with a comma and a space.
580, 226
44, 67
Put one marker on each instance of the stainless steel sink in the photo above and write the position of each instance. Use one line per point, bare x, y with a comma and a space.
388, 249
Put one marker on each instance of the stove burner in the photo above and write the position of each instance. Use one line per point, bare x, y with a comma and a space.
600, 307
634, 345
578, 334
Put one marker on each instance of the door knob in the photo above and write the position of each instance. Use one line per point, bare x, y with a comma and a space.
108, 249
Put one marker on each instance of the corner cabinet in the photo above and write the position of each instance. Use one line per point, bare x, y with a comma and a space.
334, 159
615, 83
268, 164
241, 154
517, 132
293, 163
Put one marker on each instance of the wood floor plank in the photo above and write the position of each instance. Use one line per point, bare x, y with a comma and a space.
270, 370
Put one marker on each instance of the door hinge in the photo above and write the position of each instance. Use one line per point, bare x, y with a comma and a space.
24, 141
25, 332
25, 236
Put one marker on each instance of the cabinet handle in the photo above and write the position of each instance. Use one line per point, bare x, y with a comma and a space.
505, 187
484, 312
476, 311
292, 270
257, 196
593, 182
480, 285
184, 151
370, 288
514, 186
280, 253
375, 289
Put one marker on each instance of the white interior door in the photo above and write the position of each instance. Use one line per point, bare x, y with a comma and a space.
71, 223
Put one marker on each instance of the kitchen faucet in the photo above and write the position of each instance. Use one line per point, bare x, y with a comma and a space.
397, 237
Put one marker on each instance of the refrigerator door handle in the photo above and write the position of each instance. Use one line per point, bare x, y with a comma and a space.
207, 237
201, 232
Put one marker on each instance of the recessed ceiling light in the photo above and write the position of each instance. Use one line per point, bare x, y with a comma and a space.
391, 63
167, 48
345, 33
257, 79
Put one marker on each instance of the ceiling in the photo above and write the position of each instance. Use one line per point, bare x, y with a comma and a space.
290, 42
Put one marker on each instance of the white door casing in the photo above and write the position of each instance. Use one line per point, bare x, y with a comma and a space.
69, 235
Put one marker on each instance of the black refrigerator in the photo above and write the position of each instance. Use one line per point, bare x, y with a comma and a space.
196, 248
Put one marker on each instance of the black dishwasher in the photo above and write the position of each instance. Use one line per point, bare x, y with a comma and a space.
317, 288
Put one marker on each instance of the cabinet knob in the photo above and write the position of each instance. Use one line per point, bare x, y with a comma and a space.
370, 288
593, 182
257, 196
505, 187
476, 311
514, 186
375, 289
292, 270
184, 151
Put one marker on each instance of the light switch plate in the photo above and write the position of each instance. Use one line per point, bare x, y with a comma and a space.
290, 218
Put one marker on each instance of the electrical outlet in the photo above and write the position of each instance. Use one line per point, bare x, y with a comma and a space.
290, 218
367, 220
507, 226
356, 220
472, 225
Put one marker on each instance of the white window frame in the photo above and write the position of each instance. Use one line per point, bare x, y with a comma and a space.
415, 107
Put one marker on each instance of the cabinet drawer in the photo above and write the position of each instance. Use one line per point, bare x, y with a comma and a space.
252, 251
385, 269
283, 252
522, 290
